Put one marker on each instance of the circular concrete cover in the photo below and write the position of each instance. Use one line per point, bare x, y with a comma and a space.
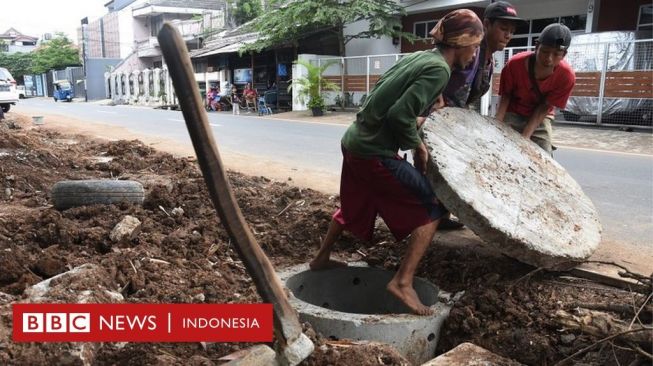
509, 191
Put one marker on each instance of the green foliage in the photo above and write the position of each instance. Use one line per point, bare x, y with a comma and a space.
313, 83
245, 10
18, 64
58, 53
317, 102
288, 23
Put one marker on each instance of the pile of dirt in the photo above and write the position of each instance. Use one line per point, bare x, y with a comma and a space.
186, 257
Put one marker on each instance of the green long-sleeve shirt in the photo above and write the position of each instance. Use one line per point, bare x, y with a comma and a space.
387, 120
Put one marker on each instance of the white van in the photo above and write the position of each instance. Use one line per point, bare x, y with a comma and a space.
8, 92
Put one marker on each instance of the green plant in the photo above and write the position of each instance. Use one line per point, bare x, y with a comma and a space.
310, 86
317, 102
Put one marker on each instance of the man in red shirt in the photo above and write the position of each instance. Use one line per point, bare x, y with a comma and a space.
534, 83
250, 96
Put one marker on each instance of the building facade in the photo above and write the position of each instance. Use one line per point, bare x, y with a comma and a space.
128, 30
13, 41
581, 16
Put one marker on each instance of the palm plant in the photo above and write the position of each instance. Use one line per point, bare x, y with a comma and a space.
311, 85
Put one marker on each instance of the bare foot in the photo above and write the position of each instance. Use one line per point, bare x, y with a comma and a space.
318, 264
409, 297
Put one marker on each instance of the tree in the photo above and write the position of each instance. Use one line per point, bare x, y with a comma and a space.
245, 10
288, 23
18, 64
57, 53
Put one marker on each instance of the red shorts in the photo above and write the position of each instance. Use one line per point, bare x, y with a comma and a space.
389, 187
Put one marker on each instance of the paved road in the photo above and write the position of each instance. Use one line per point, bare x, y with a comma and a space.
291, 143
621, 185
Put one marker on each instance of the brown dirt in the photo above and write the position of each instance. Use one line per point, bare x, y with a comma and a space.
500, 311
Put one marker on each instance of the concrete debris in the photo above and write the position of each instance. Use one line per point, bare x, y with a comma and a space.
88, 283
128, 228
468, 354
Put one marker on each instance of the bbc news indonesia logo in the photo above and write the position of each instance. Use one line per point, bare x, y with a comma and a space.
142, 323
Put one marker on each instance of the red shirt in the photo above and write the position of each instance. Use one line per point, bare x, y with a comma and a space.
249, 93
516, 82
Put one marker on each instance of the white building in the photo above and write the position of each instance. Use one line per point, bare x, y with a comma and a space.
14, 41
581, 16
128, 31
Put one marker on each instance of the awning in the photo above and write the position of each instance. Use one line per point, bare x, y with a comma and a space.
228, 48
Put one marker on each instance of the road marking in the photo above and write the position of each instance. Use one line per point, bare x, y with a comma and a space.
108, 112
304, 122
605, 151
215, 125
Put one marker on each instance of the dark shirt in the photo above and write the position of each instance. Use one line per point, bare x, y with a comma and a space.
467, 86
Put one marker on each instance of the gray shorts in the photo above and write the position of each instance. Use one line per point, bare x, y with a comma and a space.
541, 136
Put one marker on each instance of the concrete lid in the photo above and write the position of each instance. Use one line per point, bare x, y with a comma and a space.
469, 354
509, 191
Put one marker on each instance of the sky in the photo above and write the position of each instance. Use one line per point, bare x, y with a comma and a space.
36, 17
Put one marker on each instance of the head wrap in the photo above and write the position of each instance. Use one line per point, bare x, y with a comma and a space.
459, 28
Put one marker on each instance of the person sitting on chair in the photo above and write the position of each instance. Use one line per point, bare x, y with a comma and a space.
250, 97
213, 99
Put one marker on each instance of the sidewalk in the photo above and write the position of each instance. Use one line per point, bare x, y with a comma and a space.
564, 135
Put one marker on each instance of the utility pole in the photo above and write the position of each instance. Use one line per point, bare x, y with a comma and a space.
84, 46
226, 14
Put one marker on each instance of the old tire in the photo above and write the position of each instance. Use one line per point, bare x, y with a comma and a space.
74, 193
6, 107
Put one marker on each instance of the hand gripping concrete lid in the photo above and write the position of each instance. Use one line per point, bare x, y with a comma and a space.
509, 191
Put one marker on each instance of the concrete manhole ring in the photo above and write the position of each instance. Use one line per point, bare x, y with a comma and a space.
352, 303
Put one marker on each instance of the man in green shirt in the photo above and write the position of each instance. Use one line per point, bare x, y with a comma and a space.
375, 180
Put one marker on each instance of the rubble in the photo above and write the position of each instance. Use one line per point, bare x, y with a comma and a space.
469, 354
128, 228
505, 308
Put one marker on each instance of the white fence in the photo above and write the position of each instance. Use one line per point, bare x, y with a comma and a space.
151, 87
615, 78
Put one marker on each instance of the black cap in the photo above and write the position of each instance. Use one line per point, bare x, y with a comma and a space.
556, 35
502, 10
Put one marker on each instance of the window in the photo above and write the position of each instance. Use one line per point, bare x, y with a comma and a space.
523, 28
575, 22
539, 24
156, 23
422, 29
518, 42
527, 33
645, 19
199, 66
